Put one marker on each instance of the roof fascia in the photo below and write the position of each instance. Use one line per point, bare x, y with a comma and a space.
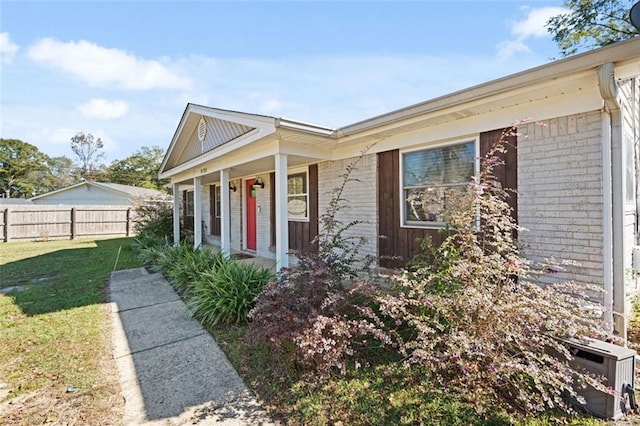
225, 149
305, 127
618, 52
37, 197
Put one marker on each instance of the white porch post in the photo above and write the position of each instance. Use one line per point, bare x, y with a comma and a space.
225, 214
197, 212
176, 214
281, 219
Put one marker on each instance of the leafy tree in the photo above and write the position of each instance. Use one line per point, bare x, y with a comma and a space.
139, 169
587, 24
89, 154
20, 163
60, 173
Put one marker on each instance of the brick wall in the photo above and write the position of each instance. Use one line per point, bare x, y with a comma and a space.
263, 219
361, 196
236, 215
560, 194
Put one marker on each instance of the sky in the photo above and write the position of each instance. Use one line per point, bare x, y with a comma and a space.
124, 71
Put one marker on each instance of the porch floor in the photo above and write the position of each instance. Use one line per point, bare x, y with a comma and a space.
244, 257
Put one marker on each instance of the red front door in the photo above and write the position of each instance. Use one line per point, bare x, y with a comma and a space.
251, 213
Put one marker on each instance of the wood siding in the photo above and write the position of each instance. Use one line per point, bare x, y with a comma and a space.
399, 244
301, 233
506, 174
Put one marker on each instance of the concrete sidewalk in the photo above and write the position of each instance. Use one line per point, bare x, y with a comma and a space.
172, 372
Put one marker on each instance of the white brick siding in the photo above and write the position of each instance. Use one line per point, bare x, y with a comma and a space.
236, 215
560, 199
263, 219
362, 197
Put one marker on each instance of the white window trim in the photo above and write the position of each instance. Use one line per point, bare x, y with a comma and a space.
193, 203
296, 171
431, 225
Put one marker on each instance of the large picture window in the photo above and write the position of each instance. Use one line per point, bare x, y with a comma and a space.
434, 182
297, 196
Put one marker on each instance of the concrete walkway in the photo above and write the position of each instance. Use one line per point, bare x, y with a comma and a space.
172, 372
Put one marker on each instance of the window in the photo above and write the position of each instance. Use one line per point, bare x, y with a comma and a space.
297, 196
434, 182
217, 205
188, 208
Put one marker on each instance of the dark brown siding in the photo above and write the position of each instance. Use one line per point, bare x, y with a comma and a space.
507, 174
395, 241
404, 243
301, 234
215, 221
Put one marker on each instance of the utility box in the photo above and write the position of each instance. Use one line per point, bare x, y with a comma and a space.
617, 365
635, 257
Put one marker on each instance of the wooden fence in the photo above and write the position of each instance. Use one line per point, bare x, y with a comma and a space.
43, 222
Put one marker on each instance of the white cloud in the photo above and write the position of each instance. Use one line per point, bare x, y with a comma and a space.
8, 49
103, 109
532, 25
100, 66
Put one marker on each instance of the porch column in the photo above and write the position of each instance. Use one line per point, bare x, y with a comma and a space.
197, 212
176, 214
225, 214
281, 219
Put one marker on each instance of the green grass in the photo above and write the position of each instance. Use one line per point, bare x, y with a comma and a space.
54, 333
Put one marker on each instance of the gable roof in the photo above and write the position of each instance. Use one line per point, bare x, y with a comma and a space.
573, 77
126, 191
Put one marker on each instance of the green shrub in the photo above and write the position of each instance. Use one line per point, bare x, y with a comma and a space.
155, 219
190, 266
226, 293
148, 248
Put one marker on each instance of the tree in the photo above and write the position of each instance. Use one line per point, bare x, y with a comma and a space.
87, 150
587, 24
20, 163
139, 169
60, 173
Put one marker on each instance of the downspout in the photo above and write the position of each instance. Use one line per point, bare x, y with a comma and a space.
613, 213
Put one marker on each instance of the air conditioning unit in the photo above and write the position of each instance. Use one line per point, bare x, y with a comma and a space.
617, 365
635, 257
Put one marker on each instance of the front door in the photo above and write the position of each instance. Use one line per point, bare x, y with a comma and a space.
251, 213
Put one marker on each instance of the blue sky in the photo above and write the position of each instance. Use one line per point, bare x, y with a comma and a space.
124, 71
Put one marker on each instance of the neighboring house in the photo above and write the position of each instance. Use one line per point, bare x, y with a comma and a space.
100, 193
258, 184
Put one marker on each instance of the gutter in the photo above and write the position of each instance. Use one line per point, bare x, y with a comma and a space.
612, 214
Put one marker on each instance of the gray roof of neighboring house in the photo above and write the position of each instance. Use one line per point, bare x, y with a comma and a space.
135, 191
127, 190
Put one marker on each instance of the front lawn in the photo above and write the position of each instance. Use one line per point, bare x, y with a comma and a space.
55, 340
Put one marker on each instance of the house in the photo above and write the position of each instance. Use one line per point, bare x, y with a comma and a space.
100, 193
257, 184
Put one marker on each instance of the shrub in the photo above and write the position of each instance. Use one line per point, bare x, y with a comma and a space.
227, 292
155, 218
189, 267
313, 314
473, 314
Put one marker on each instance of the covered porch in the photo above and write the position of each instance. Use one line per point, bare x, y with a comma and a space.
231, 178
